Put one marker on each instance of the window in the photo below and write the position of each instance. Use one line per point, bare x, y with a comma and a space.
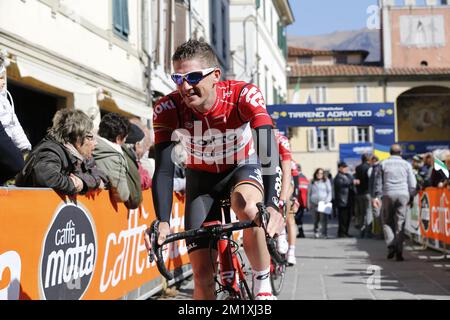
361, 93
121, 25
363, 134
219, 24
321, 94
282, 43
341, 59
360, 134
321, 139
305, 60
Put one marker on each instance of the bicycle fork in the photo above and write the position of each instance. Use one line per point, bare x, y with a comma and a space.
230, 271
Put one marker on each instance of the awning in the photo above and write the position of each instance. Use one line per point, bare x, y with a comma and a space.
85, 96
134, 107
161, 85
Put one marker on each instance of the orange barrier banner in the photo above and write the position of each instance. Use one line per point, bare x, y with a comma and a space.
434, 216
52, 247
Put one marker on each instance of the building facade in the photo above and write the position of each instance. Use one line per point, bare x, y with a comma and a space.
258, 45
415, 78
98, 56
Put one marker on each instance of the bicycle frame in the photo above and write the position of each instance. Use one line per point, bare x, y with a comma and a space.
231, 273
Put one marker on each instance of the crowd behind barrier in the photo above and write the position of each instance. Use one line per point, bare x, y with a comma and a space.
86, 247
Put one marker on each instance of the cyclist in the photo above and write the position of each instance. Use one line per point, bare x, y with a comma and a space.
228, 135
287, 189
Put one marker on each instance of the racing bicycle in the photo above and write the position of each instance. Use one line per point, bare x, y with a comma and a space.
231, 270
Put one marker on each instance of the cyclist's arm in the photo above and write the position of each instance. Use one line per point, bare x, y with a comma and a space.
267, 150
286, 179
162, 190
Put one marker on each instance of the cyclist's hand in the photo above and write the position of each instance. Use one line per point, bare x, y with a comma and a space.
164, 230
276, 222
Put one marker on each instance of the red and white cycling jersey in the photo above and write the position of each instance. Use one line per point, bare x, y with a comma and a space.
294, 169
219, 139
284, 147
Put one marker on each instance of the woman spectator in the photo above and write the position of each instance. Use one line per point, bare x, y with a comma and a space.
319, 190
63, 159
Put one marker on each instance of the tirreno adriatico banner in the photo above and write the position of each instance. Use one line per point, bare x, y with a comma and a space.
381, 116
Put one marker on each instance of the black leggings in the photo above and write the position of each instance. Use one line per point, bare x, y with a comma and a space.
204, 190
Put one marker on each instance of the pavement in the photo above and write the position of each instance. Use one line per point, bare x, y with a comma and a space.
355, 269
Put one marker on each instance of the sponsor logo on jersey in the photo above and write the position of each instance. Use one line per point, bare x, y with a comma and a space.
254, 97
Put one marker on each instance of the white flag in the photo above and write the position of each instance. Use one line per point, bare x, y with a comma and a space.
439, 165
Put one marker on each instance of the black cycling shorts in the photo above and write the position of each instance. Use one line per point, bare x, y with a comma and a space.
204, 190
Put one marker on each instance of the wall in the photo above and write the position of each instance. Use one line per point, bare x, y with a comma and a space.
412, 55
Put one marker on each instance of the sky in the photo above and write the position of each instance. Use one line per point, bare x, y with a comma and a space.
314, 17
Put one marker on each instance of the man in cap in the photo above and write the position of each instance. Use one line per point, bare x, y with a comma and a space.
343, 187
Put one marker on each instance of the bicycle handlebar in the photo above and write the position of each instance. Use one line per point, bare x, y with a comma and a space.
214, 231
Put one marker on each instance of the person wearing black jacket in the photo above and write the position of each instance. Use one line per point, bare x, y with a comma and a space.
363, 210
11, 159
343, 187
63, 159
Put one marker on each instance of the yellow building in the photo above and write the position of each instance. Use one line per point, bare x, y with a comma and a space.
411, 78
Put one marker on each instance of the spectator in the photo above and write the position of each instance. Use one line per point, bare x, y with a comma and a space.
134, 179
108, 154
438, 177
417, 165
303, 184
148, 161
63, 159
135, 143
377, 229
8, 116
343, 187
363, 212
427, 169
395, 182
142, 152
319, 190
11, 160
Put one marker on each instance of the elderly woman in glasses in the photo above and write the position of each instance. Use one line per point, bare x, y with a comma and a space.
63, 159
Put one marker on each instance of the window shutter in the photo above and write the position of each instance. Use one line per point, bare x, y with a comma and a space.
125, 18
332, 139
312, 139
353, 134
117, 16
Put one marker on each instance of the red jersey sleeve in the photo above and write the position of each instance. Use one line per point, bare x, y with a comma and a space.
252, 107
165, 119
283, 147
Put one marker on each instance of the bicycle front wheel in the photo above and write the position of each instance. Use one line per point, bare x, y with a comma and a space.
277, 273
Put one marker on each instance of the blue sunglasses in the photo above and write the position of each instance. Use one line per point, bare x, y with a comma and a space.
192, 77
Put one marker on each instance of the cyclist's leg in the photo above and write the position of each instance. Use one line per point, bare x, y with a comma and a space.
292, 229
243, 201
203, 270
201, 207
290, 220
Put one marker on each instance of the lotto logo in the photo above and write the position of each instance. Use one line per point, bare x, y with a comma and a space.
254, 97
163, 106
